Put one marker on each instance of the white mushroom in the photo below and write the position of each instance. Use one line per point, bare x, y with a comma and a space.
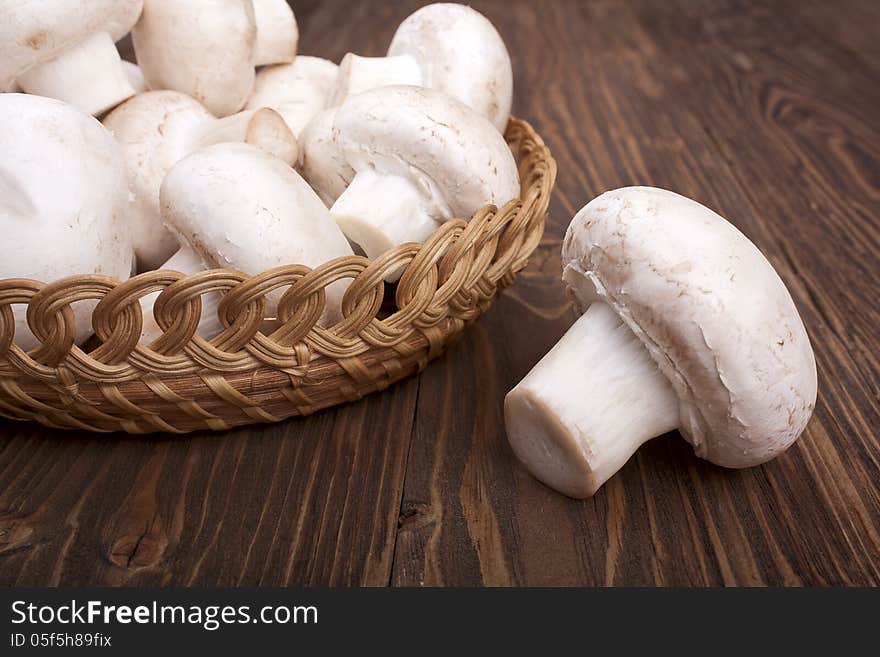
241, 208
186, 261
277, 32
297, 91
688, 327
158, 128
457, 51
421, 158
63, 200
65, 49
321, 162
203, 48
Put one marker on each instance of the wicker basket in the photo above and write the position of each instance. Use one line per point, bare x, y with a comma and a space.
249, 373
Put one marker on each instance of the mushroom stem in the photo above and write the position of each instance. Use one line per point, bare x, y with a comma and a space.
277, 32
379, 211
88, 75
263, 128
588, 405
357, 74
135, 77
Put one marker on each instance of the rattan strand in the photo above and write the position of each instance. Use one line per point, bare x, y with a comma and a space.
250, 373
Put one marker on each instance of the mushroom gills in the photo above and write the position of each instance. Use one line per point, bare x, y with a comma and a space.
378, 211
588, 405
89, 75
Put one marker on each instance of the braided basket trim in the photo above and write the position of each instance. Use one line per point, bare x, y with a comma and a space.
261, 369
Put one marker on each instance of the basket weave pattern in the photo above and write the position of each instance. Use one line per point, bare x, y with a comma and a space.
182, 382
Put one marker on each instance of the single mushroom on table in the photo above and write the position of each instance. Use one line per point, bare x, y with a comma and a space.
449, 47
65, 49
421, 158
687, 326
241, 208
297, 91
63, 200
157, 129
203, 48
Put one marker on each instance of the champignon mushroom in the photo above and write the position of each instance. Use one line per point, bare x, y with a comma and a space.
688, 327
421, 158
277, 32
65, 49
239, 207
63, 200
297, 91
158, 128
321, 162
203, 48
457, 50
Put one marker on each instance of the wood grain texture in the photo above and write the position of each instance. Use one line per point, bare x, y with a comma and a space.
766, 112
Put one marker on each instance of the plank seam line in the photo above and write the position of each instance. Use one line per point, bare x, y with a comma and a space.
412, 431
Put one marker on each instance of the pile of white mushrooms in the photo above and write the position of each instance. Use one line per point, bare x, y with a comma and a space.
223, 147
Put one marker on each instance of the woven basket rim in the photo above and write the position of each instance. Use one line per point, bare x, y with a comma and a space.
447, 281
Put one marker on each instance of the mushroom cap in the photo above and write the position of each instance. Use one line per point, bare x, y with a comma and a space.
297, 91
710, 309
63, 199
154, 130
204, 49
461, 54
36, 31
430, 137
239, 207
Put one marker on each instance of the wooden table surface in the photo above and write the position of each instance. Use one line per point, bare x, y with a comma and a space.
768, 113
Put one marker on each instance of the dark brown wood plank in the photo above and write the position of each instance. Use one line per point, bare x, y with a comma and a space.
697, 98
313, 501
